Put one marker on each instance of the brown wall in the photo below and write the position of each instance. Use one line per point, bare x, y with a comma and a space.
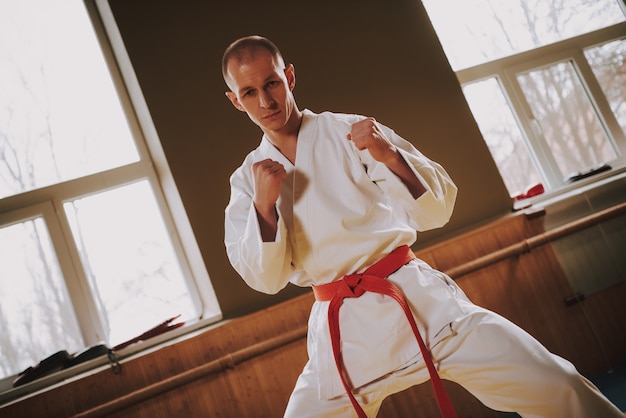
356, 56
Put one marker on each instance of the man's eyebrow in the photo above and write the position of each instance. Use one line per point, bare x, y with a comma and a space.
268, 78
245, 89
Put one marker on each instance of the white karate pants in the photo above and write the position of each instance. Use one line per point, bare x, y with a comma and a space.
495, 360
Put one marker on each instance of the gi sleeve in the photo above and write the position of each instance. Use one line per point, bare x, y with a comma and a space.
432, 209
264, 266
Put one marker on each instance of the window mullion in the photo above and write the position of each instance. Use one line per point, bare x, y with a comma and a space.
538, 147
77, 187
599, 100
622, 5
532, 58
177, 244
86, 309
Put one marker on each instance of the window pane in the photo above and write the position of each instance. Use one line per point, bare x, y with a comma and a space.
502, 135
60, 117
568, 121
476, 31
36, 315
130, 261
609, 65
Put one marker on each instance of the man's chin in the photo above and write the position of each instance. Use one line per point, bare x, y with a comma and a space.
273, 124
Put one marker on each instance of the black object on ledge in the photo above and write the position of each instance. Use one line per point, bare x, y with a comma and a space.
587, 173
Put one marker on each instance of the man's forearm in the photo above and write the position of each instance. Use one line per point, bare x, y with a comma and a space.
401, 168
268, 223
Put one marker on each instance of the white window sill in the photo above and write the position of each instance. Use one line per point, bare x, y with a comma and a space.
607, 179
10, 394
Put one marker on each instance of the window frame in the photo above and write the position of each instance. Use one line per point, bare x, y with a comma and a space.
152, 153
504, 71
47, 202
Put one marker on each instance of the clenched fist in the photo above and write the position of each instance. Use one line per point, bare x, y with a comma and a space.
268, 176
366, 134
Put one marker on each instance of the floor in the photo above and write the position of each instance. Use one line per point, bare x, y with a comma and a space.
612, 384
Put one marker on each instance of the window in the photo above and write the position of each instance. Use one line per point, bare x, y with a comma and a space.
545, 81
89, 248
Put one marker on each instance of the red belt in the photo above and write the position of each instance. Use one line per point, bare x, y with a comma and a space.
373, 280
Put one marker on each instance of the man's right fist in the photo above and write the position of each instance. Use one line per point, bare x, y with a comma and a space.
268, 176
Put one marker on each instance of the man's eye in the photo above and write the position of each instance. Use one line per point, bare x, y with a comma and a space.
272, 83
249, 93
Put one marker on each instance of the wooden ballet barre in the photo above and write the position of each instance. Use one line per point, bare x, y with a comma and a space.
528, 244
223, 363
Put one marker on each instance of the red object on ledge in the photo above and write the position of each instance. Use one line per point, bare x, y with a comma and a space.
532, 190
152, 332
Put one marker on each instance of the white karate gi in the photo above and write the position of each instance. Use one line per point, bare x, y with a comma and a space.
339, 212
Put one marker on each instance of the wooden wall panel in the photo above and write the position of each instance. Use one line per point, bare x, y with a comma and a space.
258, 388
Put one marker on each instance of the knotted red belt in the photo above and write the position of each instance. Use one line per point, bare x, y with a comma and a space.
373, 280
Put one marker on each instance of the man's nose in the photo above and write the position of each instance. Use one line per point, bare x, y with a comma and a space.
265, 100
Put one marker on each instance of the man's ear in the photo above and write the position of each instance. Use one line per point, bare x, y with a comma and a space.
290, 73
233, 99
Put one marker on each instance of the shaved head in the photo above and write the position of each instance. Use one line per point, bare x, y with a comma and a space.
247, 48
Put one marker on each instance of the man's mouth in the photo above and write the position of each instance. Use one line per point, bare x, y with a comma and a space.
271, 115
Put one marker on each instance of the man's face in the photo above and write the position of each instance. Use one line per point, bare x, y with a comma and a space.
262, 87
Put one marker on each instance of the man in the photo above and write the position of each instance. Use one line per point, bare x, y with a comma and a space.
334, 201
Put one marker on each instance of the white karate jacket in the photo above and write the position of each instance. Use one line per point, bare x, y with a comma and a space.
339, 212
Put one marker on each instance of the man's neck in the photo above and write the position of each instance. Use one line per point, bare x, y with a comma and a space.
286, 139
